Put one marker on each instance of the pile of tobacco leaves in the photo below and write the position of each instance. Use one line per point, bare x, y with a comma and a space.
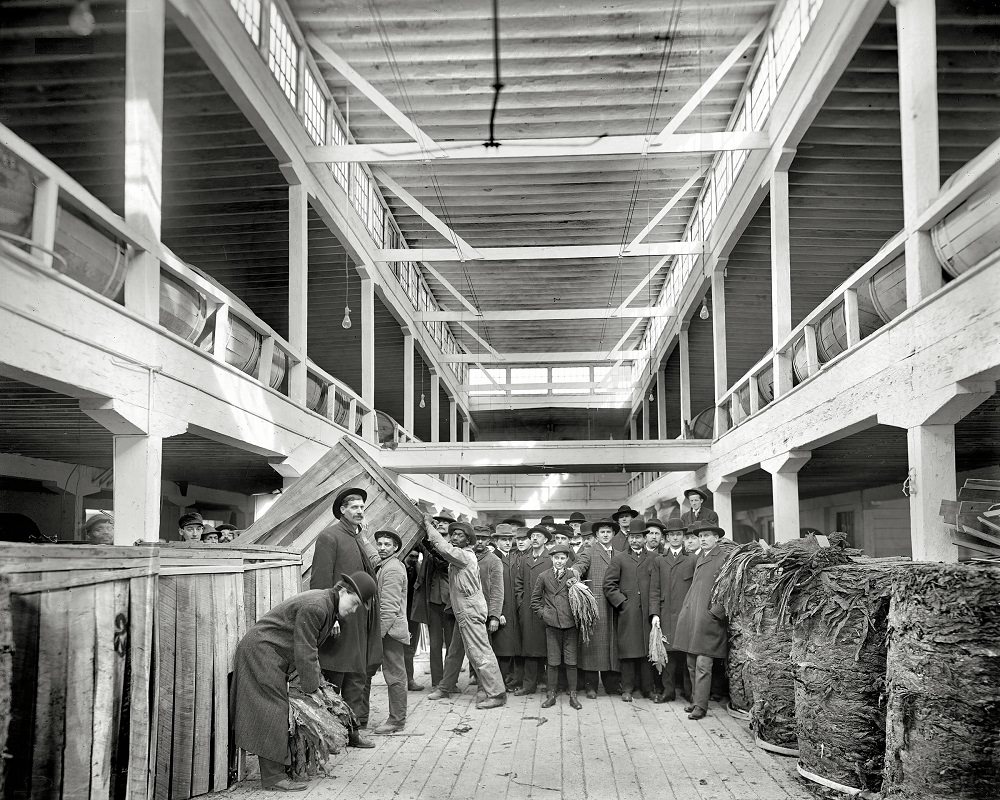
316, 729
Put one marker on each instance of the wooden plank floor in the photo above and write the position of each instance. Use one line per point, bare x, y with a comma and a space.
610, 749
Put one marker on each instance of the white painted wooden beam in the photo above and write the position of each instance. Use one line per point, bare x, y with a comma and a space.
781, 281
435, 406
712, 80
542, 385
719, 358
408, 387
450, 288
624, 338
661, 403
573, 356
542, 253
468, 329
539, 314
685, 381
298, 289
369, 431
619, 311
465, 250
452, 421
673, 201
575, 148
618, 400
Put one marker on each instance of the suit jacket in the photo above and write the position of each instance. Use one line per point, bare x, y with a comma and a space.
491, 578
338, 553
532, 628
622, 588
507, 640
671, 580
392, 600
704, 515
702, 627
550, 600
601, 652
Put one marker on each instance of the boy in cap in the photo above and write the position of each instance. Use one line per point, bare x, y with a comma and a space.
394, 628
550, 603
190, 526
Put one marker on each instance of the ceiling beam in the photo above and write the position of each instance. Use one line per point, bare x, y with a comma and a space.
447, 285
577, 387
468, 329
538, 314
542, 253
523, 401
625, 337
711, 81
549, 149
620, 311
673, 201
562, 357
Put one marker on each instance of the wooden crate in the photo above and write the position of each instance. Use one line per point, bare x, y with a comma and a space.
209, 596
83, 624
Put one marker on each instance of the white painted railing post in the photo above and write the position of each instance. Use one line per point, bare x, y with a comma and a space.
43, 219
266, 360
685, 378
812, 351
298, 289
852, 320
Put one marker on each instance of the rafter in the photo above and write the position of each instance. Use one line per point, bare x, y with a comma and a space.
549, 149
673, 201
449, 287
547, 253
468, 329
538, 314
560, 357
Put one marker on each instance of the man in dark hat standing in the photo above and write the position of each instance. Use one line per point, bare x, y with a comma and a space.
622, 589
431, 602
699, 511
507, 639
671, 579
344, 548
395, 631
623, 516
287, 637
533, 642
576, 522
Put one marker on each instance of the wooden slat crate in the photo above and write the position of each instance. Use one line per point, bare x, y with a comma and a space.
975, 520
209, 596
83, 621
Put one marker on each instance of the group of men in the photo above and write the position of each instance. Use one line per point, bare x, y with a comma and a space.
192, 527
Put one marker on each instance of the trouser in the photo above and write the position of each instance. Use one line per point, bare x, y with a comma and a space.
700, 669
271, 772
476, 641
720, 682
517, 670
553, 673
675, 675
411, 649
453, 663
653, 677
440, 636
394, 672
531, 665
610, 680
508, 668
355, 688
633, 675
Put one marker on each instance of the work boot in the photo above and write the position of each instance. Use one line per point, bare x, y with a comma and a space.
387, 727
493, 702
285, 785
481, 696
524, 691
626, 697
591, 694
413, 686
697, 713
438, 694
357, 739
550, 700
573, 702
689, 709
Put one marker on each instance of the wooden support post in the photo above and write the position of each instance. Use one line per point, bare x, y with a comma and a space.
661, 403
435, 407
408, 380
722, 501
369, 431
298, 289
633, 432
784, 471
466, 429
43, 219
781, 281
645, 417
812, 351
685, 356
452, 420
719, 358
852, 322
138, 465
916, 36
144, 32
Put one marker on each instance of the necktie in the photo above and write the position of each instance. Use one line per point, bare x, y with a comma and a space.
559, 574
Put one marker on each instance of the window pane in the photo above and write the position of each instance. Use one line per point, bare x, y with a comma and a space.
339, 137
314, 110
529, 375
283, 56
619, 380
248, 12
477, 377
571, 375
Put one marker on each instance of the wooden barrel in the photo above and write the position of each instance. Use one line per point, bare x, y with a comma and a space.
800, 364
742, 405
341, 409
971, 232
316, 390
242, 346
91, 257
765, 384
279, 368
183, 309
886, 291
17, 194
703, 425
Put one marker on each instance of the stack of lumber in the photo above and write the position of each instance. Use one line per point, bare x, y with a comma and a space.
209, 596
975, 519
305, 509
82, 624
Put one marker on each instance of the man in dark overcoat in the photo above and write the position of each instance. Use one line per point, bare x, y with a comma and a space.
343, 548
507, 639
431, 602
702, 630
699, 511
670, 582
621, 587
412, 564
650, 678
534, 649
286, 639
623, 519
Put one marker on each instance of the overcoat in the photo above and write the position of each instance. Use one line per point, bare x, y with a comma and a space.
359, 646
701, 626
507, 640
705, 514
550, 600
623, 591
671, 580
286, 638
491, 577
532, 628
432, 579
392, 600
600, 654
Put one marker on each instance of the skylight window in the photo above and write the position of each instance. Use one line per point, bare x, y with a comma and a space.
529, 375
248, 12
283, 56
571, 375
478, 377
314, 109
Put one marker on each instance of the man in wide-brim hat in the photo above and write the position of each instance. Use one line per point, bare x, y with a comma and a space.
346, 547
532, 563
699, 512
623, 516
669, 584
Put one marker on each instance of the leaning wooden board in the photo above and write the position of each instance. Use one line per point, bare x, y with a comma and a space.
306, 508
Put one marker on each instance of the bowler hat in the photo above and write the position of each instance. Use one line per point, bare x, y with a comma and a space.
521, 532
565, 530
560, 548
576, 516
226, 526
392, 535
548, 519
604, 523
655, 523
699, 492
363, 585
191, 518
705, 527
675, 524
624, 510
338, 501
544, 531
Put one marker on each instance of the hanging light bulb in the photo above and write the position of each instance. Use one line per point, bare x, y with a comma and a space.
651, 398
81, 19
423, 403
704, 310
346, 323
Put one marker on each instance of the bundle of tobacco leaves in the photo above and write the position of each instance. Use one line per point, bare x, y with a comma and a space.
737, 668
657, 647
316, 729
584, 608
943, 676
840, 620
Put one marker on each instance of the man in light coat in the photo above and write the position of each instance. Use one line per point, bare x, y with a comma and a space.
395, 631
469, 606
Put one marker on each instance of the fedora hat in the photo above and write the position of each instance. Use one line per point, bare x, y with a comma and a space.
699, 492
542, 530
576, 516
674, 524
705, 527
338, 501
605, 523
624, 510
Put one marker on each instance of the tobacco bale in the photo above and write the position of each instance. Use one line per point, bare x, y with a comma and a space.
840, 619
943, 673
740, 690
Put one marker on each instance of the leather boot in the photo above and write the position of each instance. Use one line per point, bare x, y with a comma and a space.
573, 702
550, 700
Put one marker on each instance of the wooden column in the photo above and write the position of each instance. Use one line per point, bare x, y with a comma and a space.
685, 356
298, 289
633, 432
452, 421
722, 501
781, 281
719, 343
784, 471
368, 357
408, 380
435, 407
144, 28
661, 403
918, 114
466, 429
138, 469
645, 417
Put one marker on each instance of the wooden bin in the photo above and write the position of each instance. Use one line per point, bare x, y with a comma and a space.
209, 596
83, 623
